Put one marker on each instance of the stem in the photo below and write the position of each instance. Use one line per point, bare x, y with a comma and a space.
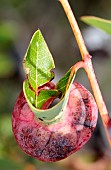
88, 67
98, 96
75, 28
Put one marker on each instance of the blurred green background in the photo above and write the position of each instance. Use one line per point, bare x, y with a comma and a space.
18, 21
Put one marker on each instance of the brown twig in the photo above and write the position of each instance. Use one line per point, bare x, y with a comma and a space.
88, 67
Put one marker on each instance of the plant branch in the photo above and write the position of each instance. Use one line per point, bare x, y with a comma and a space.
98, 96
88, 67
75, 28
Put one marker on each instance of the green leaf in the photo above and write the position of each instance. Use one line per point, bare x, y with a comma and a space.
49, 115
42, 97
62, 83
100, 23
53, 114
46, 95
38, 62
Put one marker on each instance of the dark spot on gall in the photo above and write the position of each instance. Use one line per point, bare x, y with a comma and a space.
40, 119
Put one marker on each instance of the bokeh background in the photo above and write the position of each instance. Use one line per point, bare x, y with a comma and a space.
18, 21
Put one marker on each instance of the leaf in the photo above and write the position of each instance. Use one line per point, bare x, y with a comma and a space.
43, 96
49, 115
46, 95
38, 62
62, 83
52, 114
100, 23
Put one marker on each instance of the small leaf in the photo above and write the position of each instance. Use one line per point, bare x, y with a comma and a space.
48, 115
42, 97
29, 93
63, 82
52, 114
38, 62
46, 95
100, 23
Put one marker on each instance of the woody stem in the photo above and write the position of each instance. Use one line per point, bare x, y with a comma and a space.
88, 67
